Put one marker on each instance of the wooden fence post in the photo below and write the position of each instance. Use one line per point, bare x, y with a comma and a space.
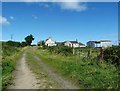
73, 51
89, 53
101, 55
79, 53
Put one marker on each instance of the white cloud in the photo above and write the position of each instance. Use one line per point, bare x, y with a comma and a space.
11, 17
76, 6
3, 21
65, 4
73, 5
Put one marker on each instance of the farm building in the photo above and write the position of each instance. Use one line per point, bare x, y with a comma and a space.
101, 43
73, 44
50, 42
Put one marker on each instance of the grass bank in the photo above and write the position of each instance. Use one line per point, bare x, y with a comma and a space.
10, 56
86, 73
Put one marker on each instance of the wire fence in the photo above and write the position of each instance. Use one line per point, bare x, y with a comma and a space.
89, 53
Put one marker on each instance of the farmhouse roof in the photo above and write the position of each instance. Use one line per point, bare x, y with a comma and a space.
100, 41
59, 42
49, 38
73, 41
105, 40
81, 43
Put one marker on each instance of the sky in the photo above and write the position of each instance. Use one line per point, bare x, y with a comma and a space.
60, 1
61, 20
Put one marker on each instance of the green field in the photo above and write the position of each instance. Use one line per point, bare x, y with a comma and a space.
86, 73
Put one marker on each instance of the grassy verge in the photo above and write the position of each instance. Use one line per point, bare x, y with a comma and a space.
45, 81
88, 74
9, 63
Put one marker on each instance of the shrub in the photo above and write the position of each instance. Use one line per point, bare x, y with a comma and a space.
64, 50
112, 54
23, 44
13, 43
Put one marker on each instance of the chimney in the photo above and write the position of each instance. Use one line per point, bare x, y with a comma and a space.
76, 40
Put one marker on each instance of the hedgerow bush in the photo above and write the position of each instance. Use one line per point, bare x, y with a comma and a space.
13, 43
112, 55
63, 50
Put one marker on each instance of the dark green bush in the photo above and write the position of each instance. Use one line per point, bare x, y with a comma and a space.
112, 55
23, 44
13, 43
64, 50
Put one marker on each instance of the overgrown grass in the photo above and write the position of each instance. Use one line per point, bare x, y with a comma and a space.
10, 57
87, 73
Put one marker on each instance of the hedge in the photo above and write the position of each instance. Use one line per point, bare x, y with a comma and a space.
112, 55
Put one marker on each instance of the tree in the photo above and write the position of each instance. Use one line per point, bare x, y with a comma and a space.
29, 39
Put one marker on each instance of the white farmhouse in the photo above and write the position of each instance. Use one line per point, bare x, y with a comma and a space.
73, 44
106, 43
50, 42
101, 43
